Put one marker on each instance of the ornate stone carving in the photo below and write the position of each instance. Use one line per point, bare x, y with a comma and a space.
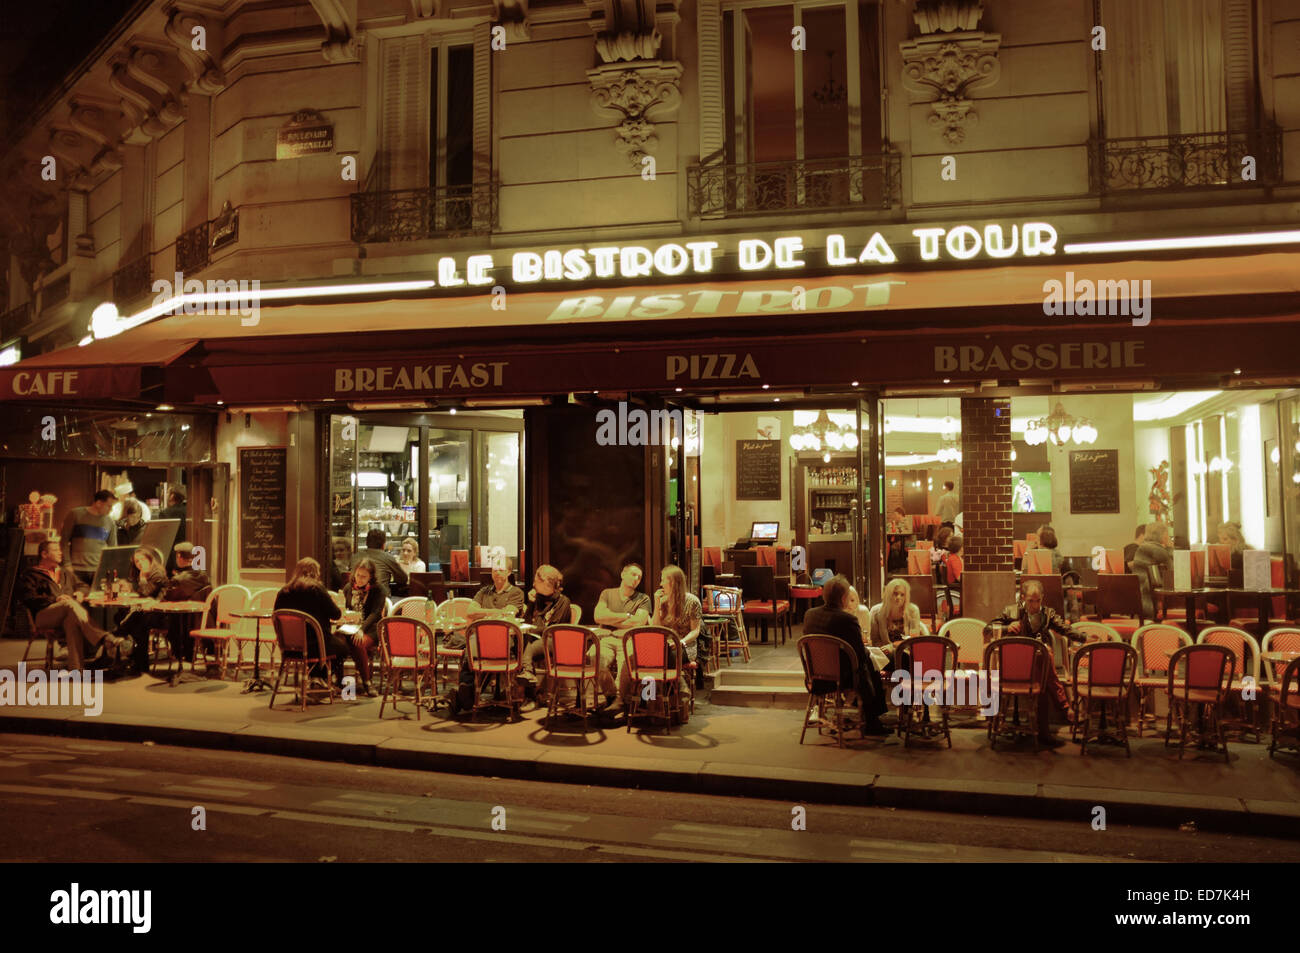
102, 122
150, 82
205, 75
945, 16
948, 66
340, 44
633, 30
513, 15
638, 94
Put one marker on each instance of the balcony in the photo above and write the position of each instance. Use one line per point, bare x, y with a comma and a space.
1173, 163
132, 280
14, 321
192, 250
408, 215
866, 182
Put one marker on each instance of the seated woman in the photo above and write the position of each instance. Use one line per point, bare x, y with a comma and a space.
1154, 551
364, 598
838, 617
680, 611
409, 558
306, 593
895, 619
546, 605
1047, 540
150, 581
1031, 619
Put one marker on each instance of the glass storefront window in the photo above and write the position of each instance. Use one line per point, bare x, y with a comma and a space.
450, 495
498, 498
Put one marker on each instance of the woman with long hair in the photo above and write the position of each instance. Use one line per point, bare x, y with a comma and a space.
896, 618
306, 592
150, 581
409, 558
680, 611
365, 599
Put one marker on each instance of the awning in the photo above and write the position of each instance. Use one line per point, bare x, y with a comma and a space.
120, 368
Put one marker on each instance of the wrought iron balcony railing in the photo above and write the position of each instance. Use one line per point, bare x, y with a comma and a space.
192, 250
872, 181
1197, 161
132, 280
13, 321
407, 215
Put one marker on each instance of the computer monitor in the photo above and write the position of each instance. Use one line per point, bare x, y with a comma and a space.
761, 532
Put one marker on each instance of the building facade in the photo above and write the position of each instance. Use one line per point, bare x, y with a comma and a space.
425, 243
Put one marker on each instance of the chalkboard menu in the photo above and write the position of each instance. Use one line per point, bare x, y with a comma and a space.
758, 469
262, 507
1094, 481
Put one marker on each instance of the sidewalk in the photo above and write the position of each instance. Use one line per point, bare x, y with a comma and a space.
728, 751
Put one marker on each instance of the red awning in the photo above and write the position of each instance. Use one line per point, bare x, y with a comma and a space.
119, 368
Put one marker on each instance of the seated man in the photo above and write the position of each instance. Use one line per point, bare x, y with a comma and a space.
185, 585
616, 611
51, 595
547, 605
1031, 619
833, 619
498, 596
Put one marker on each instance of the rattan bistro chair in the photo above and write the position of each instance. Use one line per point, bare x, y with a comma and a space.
655, 661
1206, 671
1286, 711
495, 649
828, 664
1021, 665
565, 648
931, 653
221, 602
302, 645
1110, 669
1155, 644
406, 647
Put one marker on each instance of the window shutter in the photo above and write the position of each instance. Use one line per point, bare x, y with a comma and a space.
482, 103
1239, 63
712, 133
404, 140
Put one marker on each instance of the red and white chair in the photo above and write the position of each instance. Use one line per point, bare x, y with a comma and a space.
1155, 644
1245, 651
221, 602
1200, 677
406, 647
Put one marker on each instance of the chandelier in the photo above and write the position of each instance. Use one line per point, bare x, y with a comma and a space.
822, 435
830, 94
1060, 428
949, 447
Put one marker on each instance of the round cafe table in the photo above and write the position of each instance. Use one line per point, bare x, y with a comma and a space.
256, 683
189, 607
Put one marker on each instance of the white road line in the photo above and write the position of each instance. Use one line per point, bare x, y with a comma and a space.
75, 778
334, 804
116, 772
59, 792
912, 846
697, 839
533, 824
239, 785
93, 749
39, 756
345, 821
546, 815
882, 856
204, 791
382, 798
719, 831
13, 764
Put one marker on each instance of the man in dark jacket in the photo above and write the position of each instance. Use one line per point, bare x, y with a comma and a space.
50, 594
186, 584
831, 619
388, 572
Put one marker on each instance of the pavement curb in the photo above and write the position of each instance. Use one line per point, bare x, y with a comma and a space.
957, 795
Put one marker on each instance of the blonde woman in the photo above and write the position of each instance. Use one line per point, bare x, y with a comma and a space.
409, 559
896, 618
680, 611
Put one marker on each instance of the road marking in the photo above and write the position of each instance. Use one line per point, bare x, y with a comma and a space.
912, 846
346, 821
239, 785
720, 831
381, 798
547, 815
528, 823
13, 764
59, 792
338, 805
697, 839
37, 756
116, 772
93, 749
75, 778
204, 791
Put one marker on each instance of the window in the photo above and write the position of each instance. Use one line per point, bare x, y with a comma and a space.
432, 168
1178, 103
802, 128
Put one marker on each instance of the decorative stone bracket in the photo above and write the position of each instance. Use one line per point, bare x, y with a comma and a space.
948, 67
639, 94
513, 15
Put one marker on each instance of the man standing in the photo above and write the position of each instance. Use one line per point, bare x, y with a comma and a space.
616, 611
50, 593
86, 531
388, 571
948, 507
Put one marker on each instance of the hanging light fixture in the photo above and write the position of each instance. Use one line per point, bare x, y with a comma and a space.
822, 435
1060, 428
831, 95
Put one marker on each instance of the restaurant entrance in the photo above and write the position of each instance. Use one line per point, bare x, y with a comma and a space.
796, 472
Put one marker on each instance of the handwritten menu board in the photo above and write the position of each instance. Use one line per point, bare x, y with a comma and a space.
758, 469
262, 507
1094, 481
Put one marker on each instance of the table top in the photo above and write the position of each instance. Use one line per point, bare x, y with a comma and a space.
1279, 656
1261, 592
130, 599
252, 614
192, 606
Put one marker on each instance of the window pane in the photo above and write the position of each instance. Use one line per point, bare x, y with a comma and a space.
499, 494
387, 491
825, 84
869, 77
771, 83
449, 494
460, 115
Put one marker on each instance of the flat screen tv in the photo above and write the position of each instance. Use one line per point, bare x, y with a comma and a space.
1031, 492
764, 532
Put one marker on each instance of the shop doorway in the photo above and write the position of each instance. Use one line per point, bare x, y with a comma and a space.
780, 470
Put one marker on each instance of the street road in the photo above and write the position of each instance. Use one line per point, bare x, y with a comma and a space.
75, 800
